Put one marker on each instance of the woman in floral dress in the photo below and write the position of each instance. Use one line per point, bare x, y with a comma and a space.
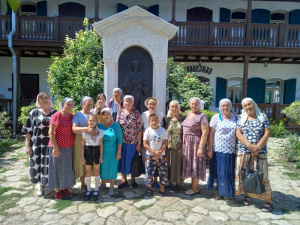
195, 131
129, 120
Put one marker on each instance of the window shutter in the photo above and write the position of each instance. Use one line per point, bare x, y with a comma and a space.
41, 8
261, 16
154, 9
122, 7
294, 16
256, 89
224, 15
221, 86
289, 91
8, 12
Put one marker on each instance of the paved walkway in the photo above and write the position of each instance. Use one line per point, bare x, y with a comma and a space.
129, 207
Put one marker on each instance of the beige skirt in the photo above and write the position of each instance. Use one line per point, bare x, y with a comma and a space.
175, 159
78, 167
241, 163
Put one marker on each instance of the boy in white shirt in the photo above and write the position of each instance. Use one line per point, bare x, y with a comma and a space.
155, 141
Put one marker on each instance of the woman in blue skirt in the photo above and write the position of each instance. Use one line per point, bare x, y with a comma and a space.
221, 150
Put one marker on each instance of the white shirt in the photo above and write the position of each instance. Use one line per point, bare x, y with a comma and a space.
155, 138
145, 119
89, 141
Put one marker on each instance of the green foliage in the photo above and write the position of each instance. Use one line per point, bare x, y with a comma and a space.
293, 111
5, 132
182, 86
293, 147
209, 114
79, 72
277, 128
10, 144
62, 204
25, 110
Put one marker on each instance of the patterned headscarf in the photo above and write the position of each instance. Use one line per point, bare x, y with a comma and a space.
200, 102
65, 100
84, 98
37, 103
244, 115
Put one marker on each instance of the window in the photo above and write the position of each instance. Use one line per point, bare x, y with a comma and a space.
278, 17
273, 91
238, 16
27, 9
234, 90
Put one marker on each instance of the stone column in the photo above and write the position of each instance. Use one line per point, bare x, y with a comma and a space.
110, 78
159, 85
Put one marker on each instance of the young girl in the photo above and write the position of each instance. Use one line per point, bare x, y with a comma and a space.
91, 155
100, 104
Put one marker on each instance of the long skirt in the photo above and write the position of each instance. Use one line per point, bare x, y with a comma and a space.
221, 174
175, 157
193, 166
61, 173
79, 169
127, 155
109, 166
241, 163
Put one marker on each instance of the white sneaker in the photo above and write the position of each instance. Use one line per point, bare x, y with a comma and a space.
111, 191
40, 192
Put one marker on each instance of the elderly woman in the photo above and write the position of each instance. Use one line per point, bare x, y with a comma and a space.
79, 126
36, 128
221, 148
100, 104
61, 173
116, 103
252, 134
195, 132
173, 127
151, 104
112, 144
129, 120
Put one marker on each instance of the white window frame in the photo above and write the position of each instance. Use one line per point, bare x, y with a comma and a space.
280, 89
27, 13
234, 88
279, 21
238, 20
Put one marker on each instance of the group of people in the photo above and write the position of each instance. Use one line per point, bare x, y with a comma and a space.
173, 147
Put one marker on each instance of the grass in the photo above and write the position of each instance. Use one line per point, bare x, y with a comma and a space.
145, 207
3, 170
10, 145
137, 199
62, 204
292, 175
8, 201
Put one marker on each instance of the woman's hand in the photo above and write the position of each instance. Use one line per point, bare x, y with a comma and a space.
91, 131
83, 162
100, 160
138, 147
210, 152
255, 150
28, 150
118, 155
56, 152
200, 153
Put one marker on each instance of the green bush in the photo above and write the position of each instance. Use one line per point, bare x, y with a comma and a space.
293, 111
277, 130
25, 110
292, 149
209, 114
4, 131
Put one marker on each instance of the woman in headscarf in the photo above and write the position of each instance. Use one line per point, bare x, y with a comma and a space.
173, 127
252, 134
61, 173
79, 126
129, 120
116, 103
195, 132
221, 148
36, 128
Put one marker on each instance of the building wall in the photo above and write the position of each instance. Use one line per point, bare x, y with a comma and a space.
29, 66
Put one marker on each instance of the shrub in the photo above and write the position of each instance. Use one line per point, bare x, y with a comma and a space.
292, 149
293, 111
4, 131
277, 127
25, 110
209, 114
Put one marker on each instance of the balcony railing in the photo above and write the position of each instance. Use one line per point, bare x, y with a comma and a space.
6, 106
189, 33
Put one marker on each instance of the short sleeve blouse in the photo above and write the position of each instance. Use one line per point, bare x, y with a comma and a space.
80, 119
253, 131
145, 119
63, 134
224, 138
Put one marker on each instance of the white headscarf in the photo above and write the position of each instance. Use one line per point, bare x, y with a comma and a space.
200, 102
258, 113
65, 100
84, 98
220, 110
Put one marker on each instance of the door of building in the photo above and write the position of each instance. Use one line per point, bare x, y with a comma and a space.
29, 87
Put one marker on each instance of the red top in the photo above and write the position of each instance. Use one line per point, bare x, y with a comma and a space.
63, 134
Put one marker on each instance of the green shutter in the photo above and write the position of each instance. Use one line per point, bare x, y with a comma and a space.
260, 16
256, 89
41, 8
154, 10
224, 15
289, 91
122, 7
221, 85
294, 16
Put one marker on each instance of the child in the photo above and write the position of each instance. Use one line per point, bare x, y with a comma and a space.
155, 142
91, 155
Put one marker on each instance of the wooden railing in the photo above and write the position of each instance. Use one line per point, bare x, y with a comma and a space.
273, 111
189, 33
6, 106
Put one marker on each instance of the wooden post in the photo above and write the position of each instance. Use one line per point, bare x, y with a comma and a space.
56, 28
173, 11
210, 37
248, 25
245, 75
281, 36
96, 18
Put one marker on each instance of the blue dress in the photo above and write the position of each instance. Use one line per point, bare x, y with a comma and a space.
113, 137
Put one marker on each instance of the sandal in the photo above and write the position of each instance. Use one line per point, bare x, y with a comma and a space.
191, 192
246, 200
149, 194
122, 185
268, 207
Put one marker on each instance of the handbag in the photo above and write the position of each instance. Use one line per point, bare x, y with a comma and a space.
253, 179
137, 167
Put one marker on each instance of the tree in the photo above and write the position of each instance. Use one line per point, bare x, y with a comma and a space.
182, 86
79, 71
